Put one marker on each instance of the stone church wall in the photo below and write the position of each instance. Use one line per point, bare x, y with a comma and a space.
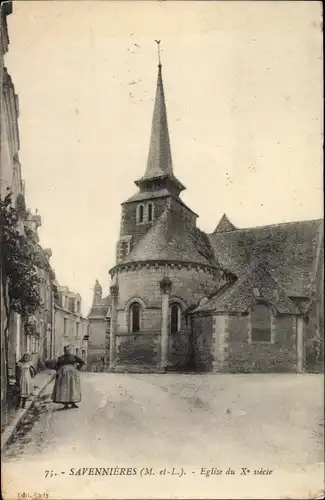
142, 283
180, 350
141, 350
241, 356
129, 225
221, 344
202, 343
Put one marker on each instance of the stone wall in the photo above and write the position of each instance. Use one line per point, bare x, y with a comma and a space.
179, 211
10, 177
202, 347
142, 283
142, 349
180, 350
189, 283
241, 356
129, 225
150, 319
221, 344
315, 322
10, 174
314, 343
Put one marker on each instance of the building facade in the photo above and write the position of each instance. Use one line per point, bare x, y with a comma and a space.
235, 300
250, 325
164, 265
99, 331
70, 327
35, 334
10, 177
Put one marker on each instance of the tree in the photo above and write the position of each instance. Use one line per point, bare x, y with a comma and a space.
20, 264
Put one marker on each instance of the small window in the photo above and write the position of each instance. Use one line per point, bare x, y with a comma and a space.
150, 212
77, 329
65, 326
175, 318
135, 317
140, 213
261, 323
77, 352
71, 305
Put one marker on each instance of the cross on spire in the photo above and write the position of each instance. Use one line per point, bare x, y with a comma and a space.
158, 49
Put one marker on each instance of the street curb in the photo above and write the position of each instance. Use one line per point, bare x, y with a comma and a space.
6, 435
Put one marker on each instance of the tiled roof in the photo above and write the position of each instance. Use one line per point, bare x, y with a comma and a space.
224, 225
238, 297
152, 194
173, 239
144, 195
160, 158
101, 308
159, 162
287, 251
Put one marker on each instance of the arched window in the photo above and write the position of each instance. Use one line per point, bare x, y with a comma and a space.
175, 318
261, 323
140, 213
135, 317
150, 212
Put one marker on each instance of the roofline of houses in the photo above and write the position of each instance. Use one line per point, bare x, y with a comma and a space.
63, 309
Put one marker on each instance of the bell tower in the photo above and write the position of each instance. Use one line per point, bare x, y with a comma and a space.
157, 186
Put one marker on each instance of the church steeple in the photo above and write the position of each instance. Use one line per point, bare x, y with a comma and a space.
160, 157
159, 163
159, 189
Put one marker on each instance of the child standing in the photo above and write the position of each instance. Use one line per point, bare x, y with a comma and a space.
25, 372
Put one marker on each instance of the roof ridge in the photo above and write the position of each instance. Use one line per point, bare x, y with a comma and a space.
170, 239
150, 231
237, 229
228, 289
144, 196
261, 267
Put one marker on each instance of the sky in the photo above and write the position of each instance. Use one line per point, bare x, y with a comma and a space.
243, 87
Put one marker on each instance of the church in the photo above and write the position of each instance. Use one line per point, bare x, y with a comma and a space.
236, 300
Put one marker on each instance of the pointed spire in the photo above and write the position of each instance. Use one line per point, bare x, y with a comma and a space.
159, 158
159, 164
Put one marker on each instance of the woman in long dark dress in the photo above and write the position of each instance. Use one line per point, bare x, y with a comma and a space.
67, 383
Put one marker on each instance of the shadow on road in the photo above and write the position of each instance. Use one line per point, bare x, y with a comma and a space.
22, 435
